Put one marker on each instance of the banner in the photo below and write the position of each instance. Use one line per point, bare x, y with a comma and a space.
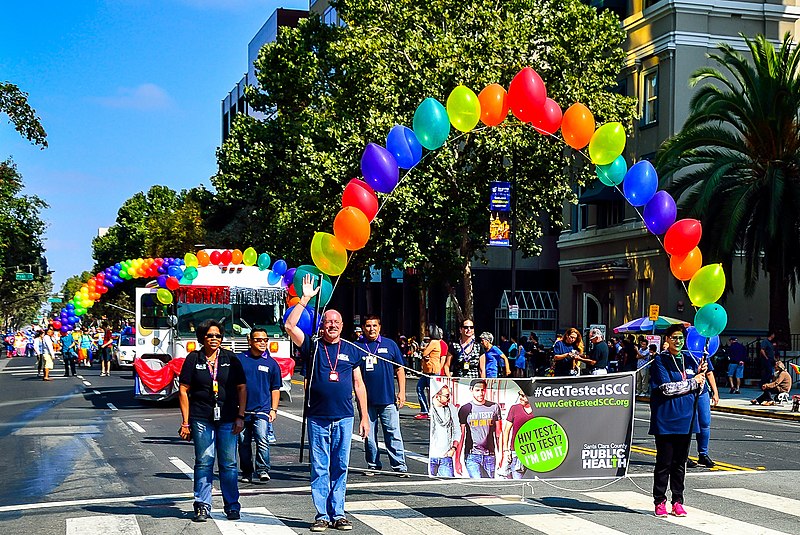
547, 427
500, 209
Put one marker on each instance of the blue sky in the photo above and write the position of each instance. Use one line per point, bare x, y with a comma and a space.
129, 93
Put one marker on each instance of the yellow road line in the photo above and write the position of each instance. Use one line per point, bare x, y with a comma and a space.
719, 464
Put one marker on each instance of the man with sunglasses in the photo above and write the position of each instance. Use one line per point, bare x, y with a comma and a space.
263, 377
464, 356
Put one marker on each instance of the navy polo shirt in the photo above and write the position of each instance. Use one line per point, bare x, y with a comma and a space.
331, 399
672, 415
263, 376
379, 380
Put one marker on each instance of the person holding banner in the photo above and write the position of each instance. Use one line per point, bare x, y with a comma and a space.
675, 384
481, 429
334, 375
444, 434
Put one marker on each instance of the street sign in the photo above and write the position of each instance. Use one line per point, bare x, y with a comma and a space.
654, 309
24, 276
54, 300
513, 312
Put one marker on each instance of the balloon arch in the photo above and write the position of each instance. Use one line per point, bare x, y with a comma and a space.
527, 100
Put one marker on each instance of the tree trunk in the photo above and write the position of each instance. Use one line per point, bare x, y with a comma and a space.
466, 274
423, 310
779, 303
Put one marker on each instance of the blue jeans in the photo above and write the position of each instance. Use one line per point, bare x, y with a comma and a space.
390, 422
329, 452
215, 440
423, 383
480, 466
704, 419
442, 467
254, 428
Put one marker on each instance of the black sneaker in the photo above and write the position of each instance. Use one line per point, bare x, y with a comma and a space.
201, 512
732, 391
706, 461
691, 463
264, 477
320, 525
233, 515
343, 524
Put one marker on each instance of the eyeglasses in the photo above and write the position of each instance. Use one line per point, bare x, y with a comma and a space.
214, 335
259, 340
676, 338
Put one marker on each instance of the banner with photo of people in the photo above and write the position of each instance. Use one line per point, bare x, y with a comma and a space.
550, 428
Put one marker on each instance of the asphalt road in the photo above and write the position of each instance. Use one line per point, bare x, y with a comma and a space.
87, 458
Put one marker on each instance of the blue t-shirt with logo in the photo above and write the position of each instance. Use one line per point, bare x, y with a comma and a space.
378, 373
331, 399
493, 357
263, 376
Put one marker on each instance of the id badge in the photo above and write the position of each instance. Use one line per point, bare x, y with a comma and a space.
217, 413
466, 365
333, 377
370, 363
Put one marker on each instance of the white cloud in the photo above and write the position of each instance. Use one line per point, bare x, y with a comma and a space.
141, 97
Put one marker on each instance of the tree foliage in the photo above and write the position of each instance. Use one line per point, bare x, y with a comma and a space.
331, 90
736, 165
14, 103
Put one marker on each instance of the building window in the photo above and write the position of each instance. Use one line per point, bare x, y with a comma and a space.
331, 17
610, 213
650, 96
644, 296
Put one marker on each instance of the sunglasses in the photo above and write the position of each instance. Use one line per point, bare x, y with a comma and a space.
467, 326
676, 337
259, 340
212, 335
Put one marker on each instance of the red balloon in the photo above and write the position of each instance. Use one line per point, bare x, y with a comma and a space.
172, 283
215, 257
526, 95
56, 325
682, 237
357, 193
548, 121
226, 257
291, 290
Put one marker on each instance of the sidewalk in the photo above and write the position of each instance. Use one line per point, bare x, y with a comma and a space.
740, 404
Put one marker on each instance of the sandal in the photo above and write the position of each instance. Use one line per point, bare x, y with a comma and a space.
754, 402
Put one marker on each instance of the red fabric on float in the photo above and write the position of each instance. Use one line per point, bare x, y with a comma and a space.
158, 379
286, 365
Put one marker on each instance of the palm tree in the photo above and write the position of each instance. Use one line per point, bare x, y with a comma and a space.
735, 166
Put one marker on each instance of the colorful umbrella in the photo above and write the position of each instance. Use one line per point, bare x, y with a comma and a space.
644, 325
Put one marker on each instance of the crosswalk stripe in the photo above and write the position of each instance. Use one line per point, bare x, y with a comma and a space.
698, 519
103, 525
391, 516
541, 517
187, 470
787, 506
254, 521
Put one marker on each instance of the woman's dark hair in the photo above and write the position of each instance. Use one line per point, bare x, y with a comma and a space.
202, 329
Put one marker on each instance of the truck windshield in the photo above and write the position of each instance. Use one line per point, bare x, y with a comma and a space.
155, 315
236, 319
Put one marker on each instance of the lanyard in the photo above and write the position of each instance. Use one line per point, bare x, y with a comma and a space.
214, 383
682, 368
332, 365
377, 345
463, 350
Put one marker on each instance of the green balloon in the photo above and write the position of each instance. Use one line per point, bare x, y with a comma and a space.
614, 173
190, 273
327, 286
431, 124
711, 320
249, 257
707, 285
164, 296
607, 143
463, 108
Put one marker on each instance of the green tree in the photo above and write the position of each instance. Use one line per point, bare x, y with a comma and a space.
14, 103
736, 165
331, 90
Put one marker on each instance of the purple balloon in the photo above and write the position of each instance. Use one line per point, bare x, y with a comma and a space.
162, 281
404, 146
660, 212
288, 277
640, 183
379, 168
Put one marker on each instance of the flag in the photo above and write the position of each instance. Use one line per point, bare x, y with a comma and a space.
795, 367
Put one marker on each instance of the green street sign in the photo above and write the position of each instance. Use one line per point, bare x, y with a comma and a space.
24, 276
54, 300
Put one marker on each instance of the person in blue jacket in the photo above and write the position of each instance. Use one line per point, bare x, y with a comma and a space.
675, 382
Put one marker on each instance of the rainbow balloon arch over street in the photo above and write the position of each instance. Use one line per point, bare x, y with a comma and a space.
527, 100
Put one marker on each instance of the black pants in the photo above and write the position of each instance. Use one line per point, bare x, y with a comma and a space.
671, 454
69, 364
767, 395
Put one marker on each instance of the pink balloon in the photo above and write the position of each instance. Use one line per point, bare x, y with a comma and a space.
548, 120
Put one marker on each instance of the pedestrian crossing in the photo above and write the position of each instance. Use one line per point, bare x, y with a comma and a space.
605, 512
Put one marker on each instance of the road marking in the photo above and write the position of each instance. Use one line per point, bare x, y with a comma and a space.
698, 519
79, 377
754, 436
391, 516
137, 427
183, 467
58, 430
782, 504
103, 525
112, 407
720, 465
87, 383
96, 392
254, 521
552, 522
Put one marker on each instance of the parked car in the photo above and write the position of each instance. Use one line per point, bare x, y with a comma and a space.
124, 351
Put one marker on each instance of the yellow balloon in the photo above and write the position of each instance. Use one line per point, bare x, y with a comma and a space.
607, 143
328, 254
463, 108
707, 285
250, 257
190, 259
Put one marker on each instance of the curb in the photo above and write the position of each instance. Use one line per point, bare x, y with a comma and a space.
790, 416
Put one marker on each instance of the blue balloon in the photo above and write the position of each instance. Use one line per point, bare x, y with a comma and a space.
660, 213
279, 267
379, 168
305, 322
404, 146
640, 184
274, 278
175, 271
695, 342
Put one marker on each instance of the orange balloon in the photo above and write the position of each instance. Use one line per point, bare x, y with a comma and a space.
292, 301
684, 267
236, 257
202, 258
351, 228
577, 126
494, 105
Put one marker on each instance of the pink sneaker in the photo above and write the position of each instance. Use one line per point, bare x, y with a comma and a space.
661, 509
677, 509
421, 416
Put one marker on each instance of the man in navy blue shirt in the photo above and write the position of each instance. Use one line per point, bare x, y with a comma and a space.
263, 376
379, 366
335, 374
